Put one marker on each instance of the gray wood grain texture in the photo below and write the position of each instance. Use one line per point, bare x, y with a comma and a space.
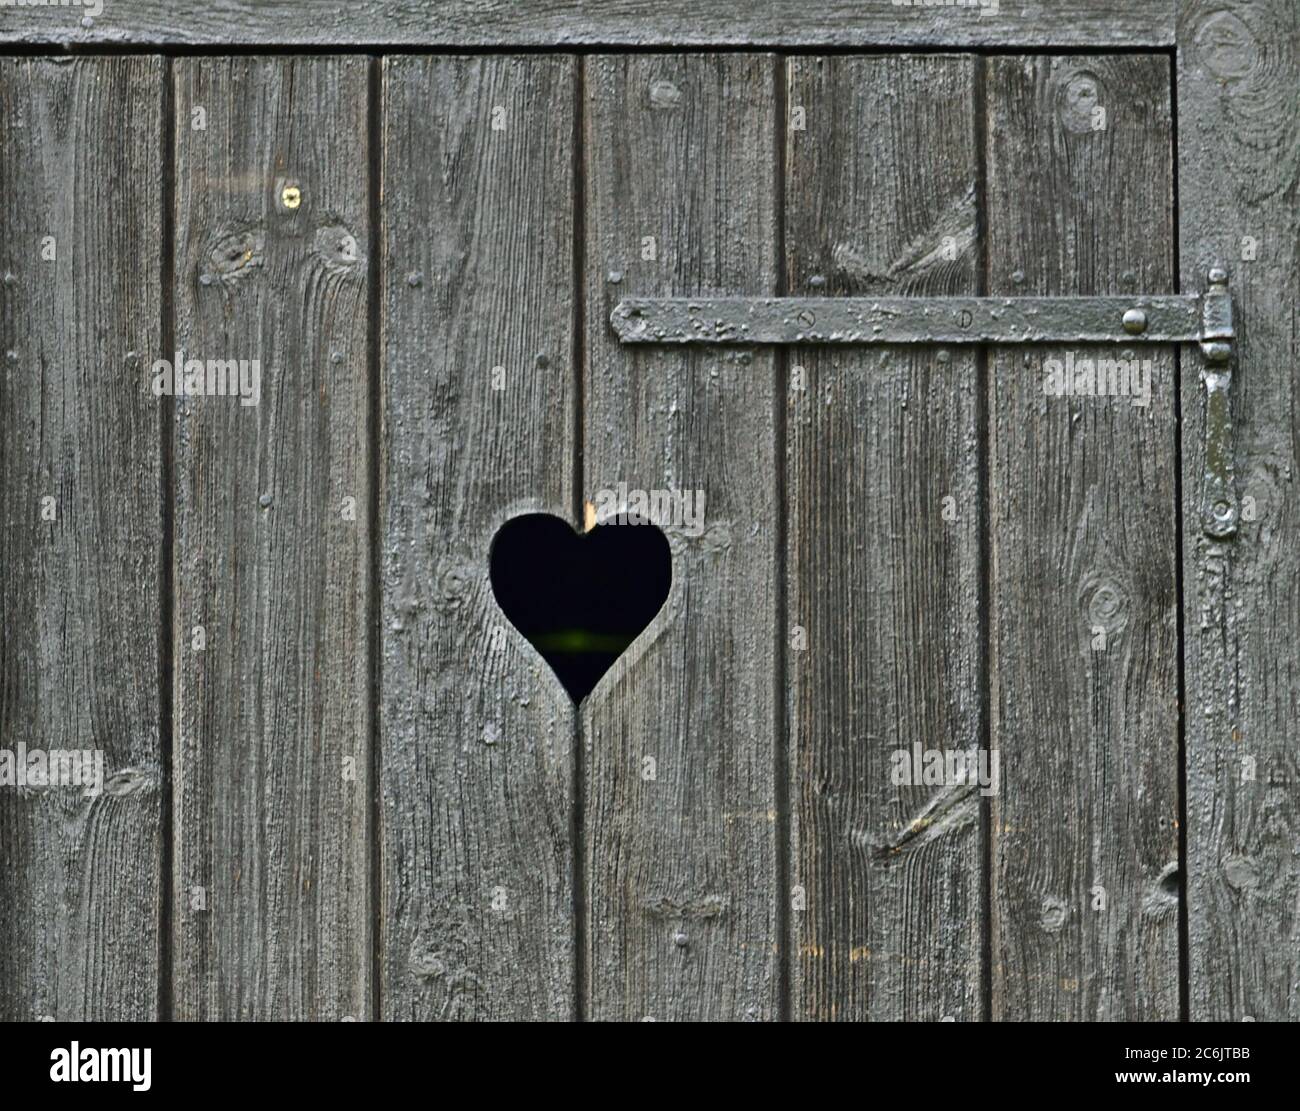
559, 23
80, 595
681, 880
477, 734
1239, 164
1083, 546
887, 586
680, 908
273, 716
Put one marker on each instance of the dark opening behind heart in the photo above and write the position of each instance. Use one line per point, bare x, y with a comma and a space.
579, 599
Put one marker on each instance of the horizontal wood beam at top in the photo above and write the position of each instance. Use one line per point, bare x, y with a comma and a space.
563, 23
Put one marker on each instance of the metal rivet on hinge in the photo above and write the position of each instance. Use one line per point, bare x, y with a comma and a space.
1135, 322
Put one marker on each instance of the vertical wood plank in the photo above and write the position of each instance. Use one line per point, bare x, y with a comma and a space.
80, 593
272, 522
477, 734
1084, 681
680, 852
1239, 164
884, 572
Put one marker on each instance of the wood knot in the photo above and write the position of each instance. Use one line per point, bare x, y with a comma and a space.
440, 950
1053, 914
1227, 46
337, 248
664, 95
235, 255
1163, 896
1078, 100
1105, 605
692, 907
130, 782
455, 585
1240, 872
715, 539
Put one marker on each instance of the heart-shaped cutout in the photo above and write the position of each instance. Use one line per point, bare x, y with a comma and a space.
580, 598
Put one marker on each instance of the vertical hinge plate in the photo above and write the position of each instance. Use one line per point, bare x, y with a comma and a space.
1219, 511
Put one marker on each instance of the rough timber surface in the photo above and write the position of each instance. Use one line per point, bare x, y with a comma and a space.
563, 23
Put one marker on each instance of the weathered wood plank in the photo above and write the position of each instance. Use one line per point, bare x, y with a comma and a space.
272, 543
1083, 611
678, 739
81, 588
477, 734
883, 548
1239, 164
602, 22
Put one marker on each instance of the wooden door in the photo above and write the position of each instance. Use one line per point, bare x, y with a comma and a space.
339, 784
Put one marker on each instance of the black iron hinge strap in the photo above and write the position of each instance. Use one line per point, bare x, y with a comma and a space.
1201, 318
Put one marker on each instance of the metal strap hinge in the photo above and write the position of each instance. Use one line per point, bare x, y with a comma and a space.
1201, 318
